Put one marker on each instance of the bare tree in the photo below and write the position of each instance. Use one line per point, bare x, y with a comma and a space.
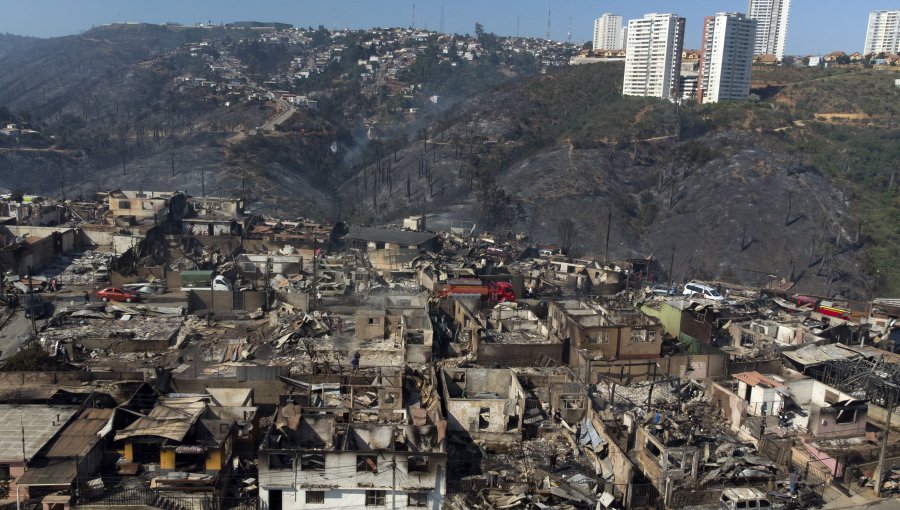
568, 234
611, 159
532, 219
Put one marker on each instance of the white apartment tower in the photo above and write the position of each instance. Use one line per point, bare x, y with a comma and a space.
771, 25
608, 33
726, 57
883, 34
653, 56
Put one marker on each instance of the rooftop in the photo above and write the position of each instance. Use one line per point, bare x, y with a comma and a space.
39, 423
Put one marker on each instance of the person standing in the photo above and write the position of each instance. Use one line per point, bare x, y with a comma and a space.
87, 297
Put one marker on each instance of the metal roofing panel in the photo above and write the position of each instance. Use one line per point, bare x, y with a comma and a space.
170, 418
80, 435
56, 472
392, 236
39, 423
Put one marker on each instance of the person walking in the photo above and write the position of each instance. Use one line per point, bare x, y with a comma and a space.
354, 363
87, 297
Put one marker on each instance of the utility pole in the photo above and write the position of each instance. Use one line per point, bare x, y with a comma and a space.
671, 269
29, 305
884, 440
203, 181
787, 218
172, 161
608, 228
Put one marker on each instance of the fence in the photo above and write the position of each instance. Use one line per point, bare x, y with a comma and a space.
155, 498
853, 474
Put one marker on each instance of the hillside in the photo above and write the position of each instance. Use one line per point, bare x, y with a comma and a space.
713, 180
795, 184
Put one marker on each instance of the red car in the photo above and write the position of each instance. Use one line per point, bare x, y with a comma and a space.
117, 294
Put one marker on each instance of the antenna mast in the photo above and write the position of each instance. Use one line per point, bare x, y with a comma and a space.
548, 24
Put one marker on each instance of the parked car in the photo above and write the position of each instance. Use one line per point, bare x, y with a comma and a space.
702, 290
35, 305
117, 294
746, 498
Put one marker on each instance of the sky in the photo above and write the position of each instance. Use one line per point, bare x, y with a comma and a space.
815, 26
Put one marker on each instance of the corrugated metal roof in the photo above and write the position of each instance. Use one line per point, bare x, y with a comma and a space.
39, 423
755, 379
392, 236
817, 354
171, 418
56, 472
80, 436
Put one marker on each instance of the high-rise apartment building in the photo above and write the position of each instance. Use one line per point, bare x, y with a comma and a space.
771, 25
726, 57
653, 56
883, 34
608, 33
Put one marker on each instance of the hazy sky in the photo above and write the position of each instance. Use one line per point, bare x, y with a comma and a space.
816, 26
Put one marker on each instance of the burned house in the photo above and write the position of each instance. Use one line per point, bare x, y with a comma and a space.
26, 431
398, 323
146, 205
75, 454
184, 435
366, 238
757, 403
215, 216
358, 441
680, 455
484, 404
515, 336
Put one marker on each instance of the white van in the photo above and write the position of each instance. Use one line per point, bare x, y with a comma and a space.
747, 498
702, 290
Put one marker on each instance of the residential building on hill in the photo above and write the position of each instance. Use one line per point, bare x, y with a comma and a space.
653, 56
726, 57
883, 33
772, 24
608, 33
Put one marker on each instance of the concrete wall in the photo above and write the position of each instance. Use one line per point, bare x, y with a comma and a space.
370, 324
517, 355
120, 345
464, 409
264, 392
98, 235
226, 300
622, 467
117, 279
122, 243
730, 405
346, 488
65, 378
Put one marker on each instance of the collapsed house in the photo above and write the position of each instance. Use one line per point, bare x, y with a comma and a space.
372, 439
484, 404
191, 438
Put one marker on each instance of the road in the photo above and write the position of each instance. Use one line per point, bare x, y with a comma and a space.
14, 334
287, 111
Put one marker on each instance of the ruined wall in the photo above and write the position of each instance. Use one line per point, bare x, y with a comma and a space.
264, 392
65, 378
772, 366
117, 279
622, 467
730, 405
128, 345
225, 300
517, 355
370, 325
